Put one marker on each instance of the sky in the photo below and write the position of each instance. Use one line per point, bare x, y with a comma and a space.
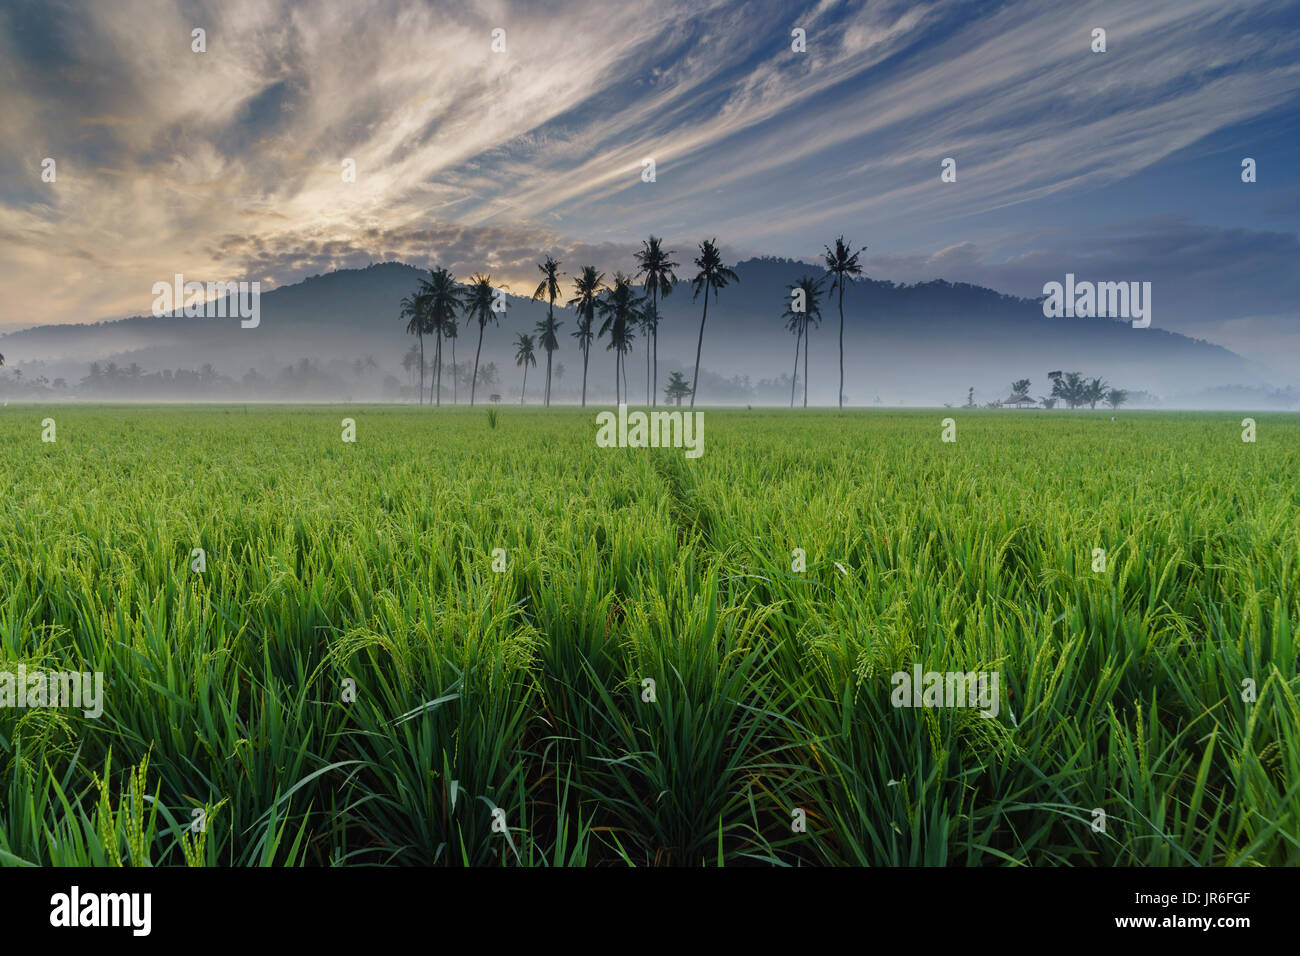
482, 151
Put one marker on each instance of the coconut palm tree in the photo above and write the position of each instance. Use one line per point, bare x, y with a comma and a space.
586, 292
442, 297
478, 304
621, 310
1094, 392
449, 331
549, 289
413, 309
524, 356
548, 340
656, 265
1070, 388
794, 323
798, 322
713, 275
842, 264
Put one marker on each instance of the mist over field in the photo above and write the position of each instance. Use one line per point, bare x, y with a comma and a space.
919, 344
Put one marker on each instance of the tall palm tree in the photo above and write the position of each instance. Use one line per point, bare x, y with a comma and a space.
656, 265
713, 275
547, 339
794, 323
586, 292
478, 305
549, 289
842, 263
449, 331
413, 309
524, 356
798, 323
621, 310
442, 297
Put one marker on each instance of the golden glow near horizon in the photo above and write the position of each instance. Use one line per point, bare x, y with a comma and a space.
309, 137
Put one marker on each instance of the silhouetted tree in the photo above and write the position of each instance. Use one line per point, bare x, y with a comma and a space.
1070, 388
712, 275
1094, 392
842, 264
549, 289
677, 388
798, 322
450, 331
479, 306
621, 310
442, 297
587, 289
524, 356
656, 265
413, 310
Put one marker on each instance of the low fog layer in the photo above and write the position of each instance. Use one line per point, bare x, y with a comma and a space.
340, 337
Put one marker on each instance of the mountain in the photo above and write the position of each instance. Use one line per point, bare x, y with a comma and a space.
915, 344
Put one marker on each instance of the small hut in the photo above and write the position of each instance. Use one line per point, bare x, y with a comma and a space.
1018, 401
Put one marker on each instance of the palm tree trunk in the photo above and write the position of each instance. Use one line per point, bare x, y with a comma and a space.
794, 382
695, 382
586, 354
454, 396
841, 342
525, 388
654, 381
439, 385
550, 331
473, 385
420, 336
805, 370
617, 381
647, 370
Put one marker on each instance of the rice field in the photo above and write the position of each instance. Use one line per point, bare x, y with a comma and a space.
456, 642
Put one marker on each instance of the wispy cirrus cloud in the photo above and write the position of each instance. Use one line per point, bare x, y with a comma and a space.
226, 164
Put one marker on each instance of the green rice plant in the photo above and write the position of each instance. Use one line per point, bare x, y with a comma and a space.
426, 648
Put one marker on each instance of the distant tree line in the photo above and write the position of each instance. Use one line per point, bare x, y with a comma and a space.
1069, 388
615, 312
